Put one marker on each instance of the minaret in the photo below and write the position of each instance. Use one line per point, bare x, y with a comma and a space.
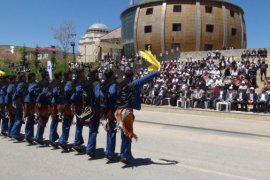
131, 2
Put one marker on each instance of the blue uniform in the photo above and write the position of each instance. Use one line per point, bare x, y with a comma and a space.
55, 102
43, 107
3, 91
125, 151
111, 131
77, 99
30, 102
10, 108
18, 100
95, 120
68, 116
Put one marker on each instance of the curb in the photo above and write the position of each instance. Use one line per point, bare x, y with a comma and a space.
209, 113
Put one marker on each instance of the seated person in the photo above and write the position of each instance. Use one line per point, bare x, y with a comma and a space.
198, 97
252, 98
231, 97
221, 96
185, 95
174, 95
263, 100
152, 95
161, 95
144, 93
242, 99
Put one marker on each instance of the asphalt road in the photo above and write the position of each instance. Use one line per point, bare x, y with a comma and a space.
170, 146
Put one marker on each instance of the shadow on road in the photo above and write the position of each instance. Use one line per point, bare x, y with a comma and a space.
148, 161
99, 154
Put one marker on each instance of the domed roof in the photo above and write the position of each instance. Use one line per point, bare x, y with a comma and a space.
98, 26
147, 1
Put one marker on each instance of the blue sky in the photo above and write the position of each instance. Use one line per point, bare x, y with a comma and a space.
30, 21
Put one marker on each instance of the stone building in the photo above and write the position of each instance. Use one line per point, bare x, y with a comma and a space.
99, 42
187, 25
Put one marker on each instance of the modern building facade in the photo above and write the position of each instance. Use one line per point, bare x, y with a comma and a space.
187, 25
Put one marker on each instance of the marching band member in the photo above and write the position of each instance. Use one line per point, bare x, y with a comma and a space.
67, 112
29, 107
18, 101
43, 106
129, 99
55, 108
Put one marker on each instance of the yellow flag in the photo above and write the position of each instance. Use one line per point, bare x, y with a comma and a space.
147, 55
153, 58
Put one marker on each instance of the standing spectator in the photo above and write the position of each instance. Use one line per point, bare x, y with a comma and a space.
263, 69
264, 53
252, 73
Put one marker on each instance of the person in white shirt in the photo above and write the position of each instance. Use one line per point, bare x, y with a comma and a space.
263, 100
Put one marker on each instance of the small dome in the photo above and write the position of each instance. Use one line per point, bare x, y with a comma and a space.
98, 26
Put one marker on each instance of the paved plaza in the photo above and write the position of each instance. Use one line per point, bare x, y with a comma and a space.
170, 146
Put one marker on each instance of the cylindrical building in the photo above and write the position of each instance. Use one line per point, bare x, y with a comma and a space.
187, 25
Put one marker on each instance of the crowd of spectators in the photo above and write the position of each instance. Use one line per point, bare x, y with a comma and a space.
202, 83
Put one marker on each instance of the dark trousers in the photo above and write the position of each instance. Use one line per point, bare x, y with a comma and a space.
159, 100
16, 128
173, 101
29, 127
10, 126
243, 105
125, 151
41, 128
4, 125
93, 131
111, 138
78, 133
263, 73
53, 130
65, 130
263, 107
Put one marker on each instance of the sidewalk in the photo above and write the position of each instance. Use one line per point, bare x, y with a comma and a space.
210, 113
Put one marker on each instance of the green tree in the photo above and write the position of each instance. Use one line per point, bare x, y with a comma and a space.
36, 61
53, 59
24, 63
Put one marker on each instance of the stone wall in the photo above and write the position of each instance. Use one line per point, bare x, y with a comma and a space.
226, 53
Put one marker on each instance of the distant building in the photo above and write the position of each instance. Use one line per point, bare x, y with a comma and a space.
193, 25
45, 53
99, 42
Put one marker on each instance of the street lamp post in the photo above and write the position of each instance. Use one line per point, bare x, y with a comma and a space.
72, 44
73, 51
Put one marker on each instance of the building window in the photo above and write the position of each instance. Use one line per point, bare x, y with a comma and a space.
175, 46
232, 13
149, 11
147, 29
176, 27
177, 8
209, 28
148, 47
234, 31
208, 9
208, 47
